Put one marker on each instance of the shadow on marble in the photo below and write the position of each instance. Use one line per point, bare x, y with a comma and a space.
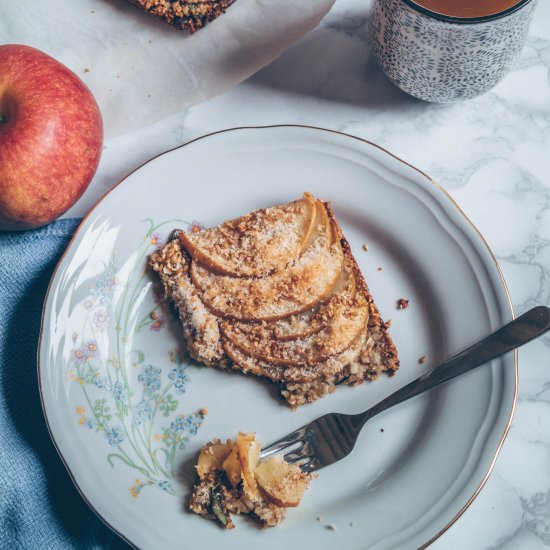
336, 63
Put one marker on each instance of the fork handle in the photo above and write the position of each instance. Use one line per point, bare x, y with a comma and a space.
525, 328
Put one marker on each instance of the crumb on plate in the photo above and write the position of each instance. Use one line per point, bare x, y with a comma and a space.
402, 303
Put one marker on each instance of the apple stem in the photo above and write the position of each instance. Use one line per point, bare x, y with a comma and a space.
2, 118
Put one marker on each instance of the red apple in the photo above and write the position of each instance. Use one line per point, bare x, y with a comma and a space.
51, 136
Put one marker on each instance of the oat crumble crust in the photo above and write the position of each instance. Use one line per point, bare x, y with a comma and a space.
190, 15
342, 337
215, 488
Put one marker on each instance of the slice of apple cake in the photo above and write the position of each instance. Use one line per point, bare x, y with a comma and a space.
277, 293
189, 15
233, 481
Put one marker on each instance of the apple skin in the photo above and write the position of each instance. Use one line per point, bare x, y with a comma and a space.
51, 137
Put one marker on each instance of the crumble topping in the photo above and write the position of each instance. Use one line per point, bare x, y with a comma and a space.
256, 244
286, 292
189, 15
310, 325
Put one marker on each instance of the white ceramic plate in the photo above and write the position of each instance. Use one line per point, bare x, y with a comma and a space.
121, 401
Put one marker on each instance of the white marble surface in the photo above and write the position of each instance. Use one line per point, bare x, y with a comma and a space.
491, 153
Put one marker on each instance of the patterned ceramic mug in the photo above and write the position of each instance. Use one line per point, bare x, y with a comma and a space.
443, 59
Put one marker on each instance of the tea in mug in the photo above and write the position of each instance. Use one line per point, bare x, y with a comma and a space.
467, 9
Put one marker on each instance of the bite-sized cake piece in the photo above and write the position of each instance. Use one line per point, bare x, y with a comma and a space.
233, 481
189, 15
277, 293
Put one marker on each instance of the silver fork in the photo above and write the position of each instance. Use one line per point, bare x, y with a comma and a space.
332, 436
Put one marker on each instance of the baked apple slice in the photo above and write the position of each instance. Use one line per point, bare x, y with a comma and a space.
257, 244
308, 322
300, 286
248, 449
341, 330
232, 466
312, 321
284, 484
324, 370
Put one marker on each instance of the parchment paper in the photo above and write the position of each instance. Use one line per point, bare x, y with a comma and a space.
139, 68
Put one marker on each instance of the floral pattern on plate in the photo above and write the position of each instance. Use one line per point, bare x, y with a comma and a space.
112, 406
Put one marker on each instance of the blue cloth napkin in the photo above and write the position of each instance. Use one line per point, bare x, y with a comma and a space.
39, 505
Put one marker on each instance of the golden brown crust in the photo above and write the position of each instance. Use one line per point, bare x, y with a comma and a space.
308, 365
200, 327
189, 15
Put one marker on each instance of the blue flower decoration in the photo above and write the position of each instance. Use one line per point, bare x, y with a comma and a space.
120, 392
189, 424
180, 378
163, 484
102, 382
179, 424
115, 436
91, 423
143, 412
150, 378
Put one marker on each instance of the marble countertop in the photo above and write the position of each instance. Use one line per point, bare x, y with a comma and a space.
491, 153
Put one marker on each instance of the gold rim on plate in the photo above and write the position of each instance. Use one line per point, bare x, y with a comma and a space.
317, 128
